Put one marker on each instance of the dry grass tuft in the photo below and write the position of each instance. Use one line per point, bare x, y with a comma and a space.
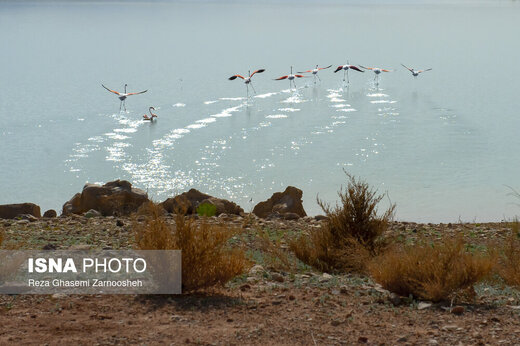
352, 234
509, 261
434, 272
275, 257
207, 258
2, 236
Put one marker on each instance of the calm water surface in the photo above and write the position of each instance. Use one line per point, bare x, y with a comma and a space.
444, 146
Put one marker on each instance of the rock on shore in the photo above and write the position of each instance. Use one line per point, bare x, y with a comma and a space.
287, 202
189, 201
10, 211
114, 198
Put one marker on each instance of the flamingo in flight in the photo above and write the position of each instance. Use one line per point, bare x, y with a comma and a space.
377, 71
291, 77
345, 69
315, 72
152, 115
247, 80
123, 96
415, 72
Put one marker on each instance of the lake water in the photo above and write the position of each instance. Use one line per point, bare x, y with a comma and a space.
445, 146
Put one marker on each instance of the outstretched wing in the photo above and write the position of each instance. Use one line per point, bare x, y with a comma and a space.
306, 71
338, 69
367, 68
299, 76
235, 77
112, 91
257, 71
356, 68
428, 69
323, 68
137, 93
283, 77
386, 70
409, 69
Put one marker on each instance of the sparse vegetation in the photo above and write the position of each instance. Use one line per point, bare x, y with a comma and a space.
509, 262
352, 234
434, 272
206, 209
207, 259
274, 255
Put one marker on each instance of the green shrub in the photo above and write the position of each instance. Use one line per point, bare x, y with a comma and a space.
206, 209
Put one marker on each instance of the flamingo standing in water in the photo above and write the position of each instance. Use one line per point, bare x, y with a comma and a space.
123, 96
247, 80
291, 77
345, 69
315, 72
377, 71
415, 72
152, 115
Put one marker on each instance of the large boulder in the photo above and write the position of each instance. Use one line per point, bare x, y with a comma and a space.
280, 203
50, 213
188, 202
114, 198
10, 211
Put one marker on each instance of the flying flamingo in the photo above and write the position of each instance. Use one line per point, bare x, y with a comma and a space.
291, 77
247, 80
415, 73
152, 115
315, 72
377, 71
345, 69
123, 96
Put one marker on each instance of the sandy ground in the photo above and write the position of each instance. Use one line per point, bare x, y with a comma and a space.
266, 306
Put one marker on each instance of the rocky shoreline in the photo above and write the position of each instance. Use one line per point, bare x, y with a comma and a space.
120, 198
279, 300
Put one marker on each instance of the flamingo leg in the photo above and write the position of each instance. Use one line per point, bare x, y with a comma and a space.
348, 81
294, 82
253, 87
318, 78
247, 90
120, 105
344, 73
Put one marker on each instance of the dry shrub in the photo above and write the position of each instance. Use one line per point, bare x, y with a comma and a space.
2, 236
207, 258
435, 272
509, 262
275, 257
352, 234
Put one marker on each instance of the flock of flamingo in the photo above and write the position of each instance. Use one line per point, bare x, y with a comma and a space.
291, 77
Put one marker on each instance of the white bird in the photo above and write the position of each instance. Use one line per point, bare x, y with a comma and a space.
345, 69
415, 72
123, 96
152, 115
377, 71
315, 72
247, 80
291, 77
